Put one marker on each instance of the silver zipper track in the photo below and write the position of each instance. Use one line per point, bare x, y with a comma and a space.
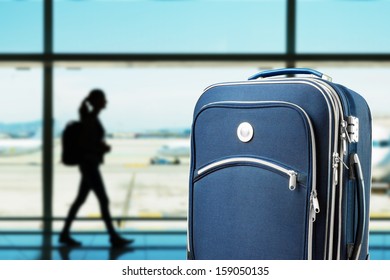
243, 159
339, 166
291, 173
331, 197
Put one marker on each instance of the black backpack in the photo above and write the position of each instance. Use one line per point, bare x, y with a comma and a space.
71, 150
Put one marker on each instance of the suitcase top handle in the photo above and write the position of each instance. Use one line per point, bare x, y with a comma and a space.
289, 71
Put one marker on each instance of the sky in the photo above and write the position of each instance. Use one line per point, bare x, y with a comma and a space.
152, 96
216, 26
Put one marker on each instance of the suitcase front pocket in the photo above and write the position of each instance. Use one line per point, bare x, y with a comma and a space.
253, 191
249, 208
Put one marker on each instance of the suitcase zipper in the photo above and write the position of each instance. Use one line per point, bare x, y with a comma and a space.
339, 151
293, 175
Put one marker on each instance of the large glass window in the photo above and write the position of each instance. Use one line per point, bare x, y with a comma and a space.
150, 105
21, 26
140, 26
20, 143
147, 121
343, 26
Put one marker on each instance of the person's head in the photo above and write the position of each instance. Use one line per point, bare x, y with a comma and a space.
97, 99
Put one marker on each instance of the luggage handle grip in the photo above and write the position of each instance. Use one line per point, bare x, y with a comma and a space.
289, 71
358, 176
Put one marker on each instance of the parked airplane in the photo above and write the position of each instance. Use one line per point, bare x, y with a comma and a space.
20, 146
172, 152
381, 154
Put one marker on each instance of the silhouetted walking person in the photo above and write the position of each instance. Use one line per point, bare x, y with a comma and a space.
92, 148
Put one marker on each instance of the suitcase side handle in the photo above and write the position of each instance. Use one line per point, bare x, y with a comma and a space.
357, 174
289, 71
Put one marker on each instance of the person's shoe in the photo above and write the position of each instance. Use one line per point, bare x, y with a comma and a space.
118, 241
69, 241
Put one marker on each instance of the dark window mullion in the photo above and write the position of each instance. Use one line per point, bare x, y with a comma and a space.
47, 156
291, 33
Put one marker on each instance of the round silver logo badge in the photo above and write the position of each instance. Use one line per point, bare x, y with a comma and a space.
245, 132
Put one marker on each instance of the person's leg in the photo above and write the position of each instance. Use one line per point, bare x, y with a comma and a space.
99, 189
80, 199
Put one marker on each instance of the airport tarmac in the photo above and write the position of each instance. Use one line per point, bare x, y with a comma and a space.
135, 188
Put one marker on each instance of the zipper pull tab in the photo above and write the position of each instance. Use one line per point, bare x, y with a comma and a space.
335, 166
335, 177
337, 160
315, 205
293, 180
344, 126
344, 143
343, 136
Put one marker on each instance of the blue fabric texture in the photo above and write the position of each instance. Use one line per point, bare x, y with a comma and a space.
247, 211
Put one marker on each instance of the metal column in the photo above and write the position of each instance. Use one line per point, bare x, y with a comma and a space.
291, 33
47, 156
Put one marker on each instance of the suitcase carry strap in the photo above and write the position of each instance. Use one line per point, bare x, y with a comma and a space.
289, 71
357, 175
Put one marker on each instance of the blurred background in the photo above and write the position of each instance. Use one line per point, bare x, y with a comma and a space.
153, 59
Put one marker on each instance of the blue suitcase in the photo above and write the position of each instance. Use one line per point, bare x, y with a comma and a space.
280, 169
